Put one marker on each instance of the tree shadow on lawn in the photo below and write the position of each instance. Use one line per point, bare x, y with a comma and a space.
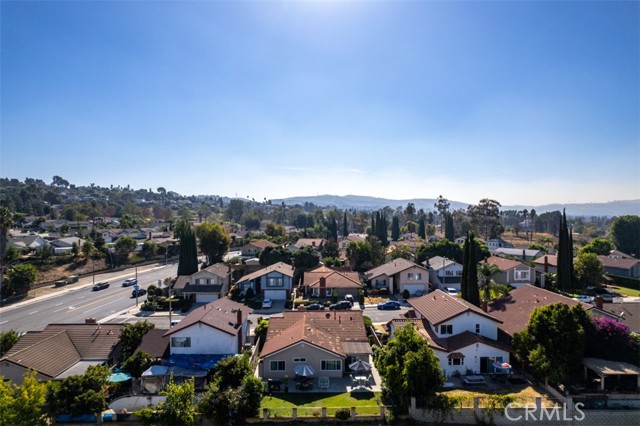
362, 395
300, 399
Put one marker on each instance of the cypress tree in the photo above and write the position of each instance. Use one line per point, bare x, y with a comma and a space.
333, 229
395, 228
422, 229
449, 232
188, 259
465, 268
469, 284
372, 231
345, 227
565, 255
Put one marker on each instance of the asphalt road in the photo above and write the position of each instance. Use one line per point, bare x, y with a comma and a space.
74, 303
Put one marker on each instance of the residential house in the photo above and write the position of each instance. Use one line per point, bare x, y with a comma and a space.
412, 246
460, 240
254, 248
155, 344
522, 255
217, 328
208, 284
511, 272
515, 308
316, 243
179, 284
496, 243
626, 312
547, 263
65, 245
448, 271
463, 336
22, 242
273, 282
398, 275
62, 350
325, 341
343, 241
623, 266
325, 282
111, 235
433, 238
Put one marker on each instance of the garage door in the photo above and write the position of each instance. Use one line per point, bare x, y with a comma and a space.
413, 288
275, 294
206, 298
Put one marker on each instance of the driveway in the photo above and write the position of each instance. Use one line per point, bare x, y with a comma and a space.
277, 306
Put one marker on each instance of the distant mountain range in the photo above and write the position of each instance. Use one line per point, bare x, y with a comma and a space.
360, 202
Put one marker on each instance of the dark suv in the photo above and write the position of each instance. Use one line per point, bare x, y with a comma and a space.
342, 305
138, 292
100, 286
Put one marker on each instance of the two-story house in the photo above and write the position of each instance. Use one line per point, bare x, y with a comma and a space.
316, 243
522, 255
496, 243
463, 336
449, 272
254, 248
399, 275
273, 282
325, 342
209, 284
511, 272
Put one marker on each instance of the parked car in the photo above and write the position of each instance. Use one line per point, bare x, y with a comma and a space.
607, 297
100, 286
315, 307
341, 305
451, 291
138, 292
584, 298
421, 293
267, 303
389, 305
129, 282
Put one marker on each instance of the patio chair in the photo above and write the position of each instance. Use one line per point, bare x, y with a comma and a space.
323, 383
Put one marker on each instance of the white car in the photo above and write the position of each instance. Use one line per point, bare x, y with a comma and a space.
584, 298
266, 303
451, 291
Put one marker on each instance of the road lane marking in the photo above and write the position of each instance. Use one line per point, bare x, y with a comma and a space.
104, 304
3, 322
63, 309
34, 312
58, 305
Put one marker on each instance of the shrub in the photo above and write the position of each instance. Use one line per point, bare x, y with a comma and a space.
406, 294
334, 298
383, 291
343, 413
249, 294
361, 297
188, 303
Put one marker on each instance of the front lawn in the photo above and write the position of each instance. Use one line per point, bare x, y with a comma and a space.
310, 404
626, 291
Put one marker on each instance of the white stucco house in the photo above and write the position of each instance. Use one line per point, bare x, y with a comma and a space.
449, 272
273, 282
463, 336
218, 328
209, 284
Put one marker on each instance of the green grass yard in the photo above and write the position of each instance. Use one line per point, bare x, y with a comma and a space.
310, 404
626, 291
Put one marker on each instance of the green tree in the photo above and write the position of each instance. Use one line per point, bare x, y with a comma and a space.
271, 255
8, 338
565, 256
408, 367
331, 249
625, 233
137, 363
444, 248
274, 230
179, 407
486, 283
214, 241
588, 269
469, 283
304, 259
422, 230
345, 225
132, 335
7, 402
29, 403
87, 249
485, 218
601, 246
6, 218
149, 250
395, 228
449, 232
359, 254
78, 395
401, 251
235, 210
21, 278
553, 342
188, 260
125, 245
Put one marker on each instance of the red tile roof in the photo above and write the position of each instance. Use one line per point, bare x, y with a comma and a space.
438, 307
327, 330
221, 314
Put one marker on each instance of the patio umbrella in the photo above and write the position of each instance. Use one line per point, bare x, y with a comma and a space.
304, 370
360, 366
119, 377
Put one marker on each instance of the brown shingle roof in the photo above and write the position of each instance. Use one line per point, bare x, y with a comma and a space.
333, 279
60, 346
327, 330
281, 267
220, 314
154, 343
392, 268
438, 306
629, 313
219, 269
181, 282
261, 244
502, 263
620, 263
314, 242
515, 308
552, 260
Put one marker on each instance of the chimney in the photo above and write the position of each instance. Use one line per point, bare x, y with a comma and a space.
546, 264
149, 235
485, 305
313, 243
323, 287
524, 255
239, 316
90, 321
599, 302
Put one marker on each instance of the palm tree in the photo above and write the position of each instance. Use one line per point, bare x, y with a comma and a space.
6, 217
486, 283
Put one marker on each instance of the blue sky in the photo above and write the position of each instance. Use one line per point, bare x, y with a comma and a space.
524, 102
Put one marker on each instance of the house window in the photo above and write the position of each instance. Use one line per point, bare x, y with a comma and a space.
477, 328
331, 365
448, 273
181, 342
414, 277
381, 283
300, 359
275, 282
456, 361
446, 329
521, 275
276, 365
458, 273
199, 280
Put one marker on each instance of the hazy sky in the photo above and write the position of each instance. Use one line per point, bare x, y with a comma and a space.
524, 102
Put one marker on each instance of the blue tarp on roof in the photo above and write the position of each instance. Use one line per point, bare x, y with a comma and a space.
196, 362
119, 377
